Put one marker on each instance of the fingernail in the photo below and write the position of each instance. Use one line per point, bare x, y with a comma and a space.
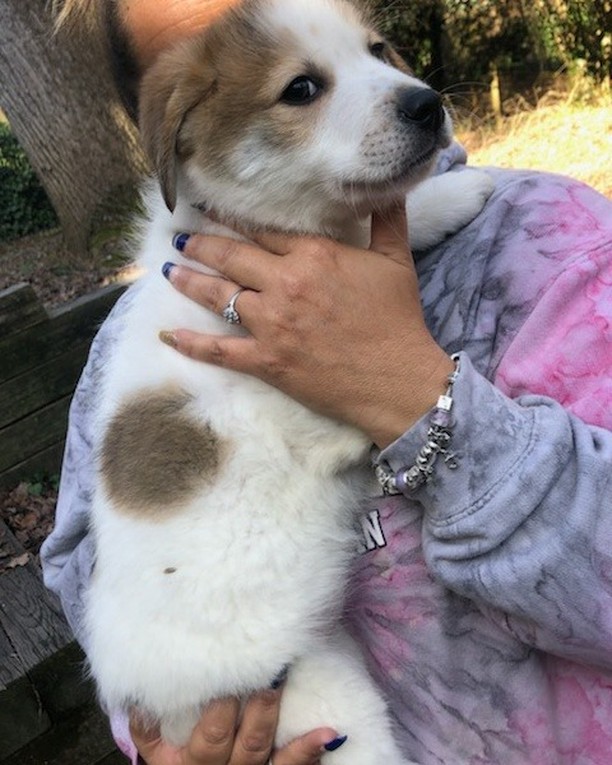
169, 338
335, 744
280, 678
179, 241
167, 270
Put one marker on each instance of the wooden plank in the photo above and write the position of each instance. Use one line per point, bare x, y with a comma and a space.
33, 635
50, 382
82, 738
33, 434
73, 324
30, 615
22, 719
48, 462
43, 664
19, 308
116, 758
61, 682
11, 667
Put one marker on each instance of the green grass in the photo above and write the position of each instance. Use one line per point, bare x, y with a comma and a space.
562, 134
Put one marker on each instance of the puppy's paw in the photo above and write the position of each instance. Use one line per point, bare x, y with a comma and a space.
470, 189
444, 204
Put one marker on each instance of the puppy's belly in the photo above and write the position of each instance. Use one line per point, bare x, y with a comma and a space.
216, 599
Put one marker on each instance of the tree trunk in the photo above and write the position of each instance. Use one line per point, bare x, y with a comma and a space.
438, 78
58, 96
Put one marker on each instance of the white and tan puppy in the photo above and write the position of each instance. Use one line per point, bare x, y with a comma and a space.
224, 512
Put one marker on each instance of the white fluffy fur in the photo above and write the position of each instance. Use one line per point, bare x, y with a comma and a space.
261, 556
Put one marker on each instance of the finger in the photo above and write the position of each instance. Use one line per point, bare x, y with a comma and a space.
242, 262
276, 242
308, 749
255, 737
212, 292
213, 737
150, 746
242, 354
146, 738
390, 234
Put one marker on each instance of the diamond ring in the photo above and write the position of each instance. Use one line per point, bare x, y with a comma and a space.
229, 313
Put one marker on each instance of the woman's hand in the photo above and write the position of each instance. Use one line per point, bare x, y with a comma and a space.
338, 328
225, 737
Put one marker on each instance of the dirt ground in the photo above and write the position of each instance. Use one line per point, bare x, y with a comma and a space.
56, 276
28, 511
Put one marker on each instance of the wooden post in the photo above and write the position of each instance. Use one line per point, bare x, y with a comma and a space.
495, 94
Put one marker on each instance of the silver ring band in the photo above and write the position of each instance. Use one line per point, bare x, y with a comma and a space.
229, 313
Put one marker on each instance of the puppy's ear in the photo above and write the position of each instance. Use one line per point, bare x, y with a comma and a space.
177, 82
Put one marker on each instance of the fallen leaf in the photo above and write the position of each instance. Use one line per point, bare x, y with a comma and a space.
19, 561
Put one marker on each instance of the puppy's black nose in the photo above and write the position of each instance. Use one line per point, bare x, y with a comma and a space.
421, 107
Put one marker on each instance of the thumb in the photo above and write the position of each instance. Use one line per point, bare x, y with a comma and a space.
390, 233
147, 740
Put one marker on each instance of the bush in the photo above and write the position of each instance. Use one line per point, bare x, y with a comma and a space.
24, 206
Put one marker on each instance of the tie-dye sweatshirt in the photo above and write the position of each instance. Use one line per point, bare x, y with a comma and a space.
484, 602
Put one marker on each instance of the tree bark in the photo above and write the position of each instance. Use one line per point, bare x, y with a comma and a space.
57, 94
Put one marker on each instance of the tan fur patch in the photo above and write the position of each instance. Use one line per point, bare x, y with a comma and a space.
155, 456
201, 98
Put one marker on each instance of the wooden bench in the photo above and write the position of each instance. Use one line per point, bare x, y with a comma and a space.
42, 681
41, 357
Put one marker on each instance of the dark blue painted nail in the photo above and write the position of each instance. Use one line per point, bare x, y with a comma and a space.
167, 268
335, 744
180, 240
280, 678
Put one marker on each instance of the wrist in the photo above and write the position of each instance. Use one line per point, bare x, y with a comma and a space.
437, 445
409, 393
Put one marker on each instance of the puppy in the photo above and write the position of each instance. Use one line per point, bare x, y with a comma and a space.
224, 512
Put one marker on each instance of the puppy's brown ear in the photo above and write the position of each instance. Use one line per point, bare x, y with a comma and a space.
177, 82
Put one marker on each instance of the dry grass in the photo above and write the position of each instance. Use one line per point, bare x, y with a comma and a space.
560, 135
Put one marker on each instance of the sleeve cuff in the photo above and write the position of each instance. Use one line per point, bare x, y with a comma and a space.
120, 728
491, 438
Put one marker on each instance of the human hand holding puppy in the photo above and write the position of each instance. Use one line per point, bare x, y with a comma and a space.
337, 328
225, 736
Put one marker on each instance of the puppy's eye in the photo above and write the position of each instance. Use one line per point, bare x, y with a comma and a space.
301, 91
378, 50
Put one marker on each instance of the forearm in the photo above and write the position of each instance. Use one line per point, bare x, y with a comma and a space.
522, 525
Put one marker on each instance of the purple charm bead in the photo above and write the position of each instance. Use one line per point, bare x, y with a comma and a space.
441, 417
400, 480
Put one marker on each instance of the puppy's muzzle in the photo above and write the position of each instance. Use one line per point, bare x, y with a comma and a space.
421, 108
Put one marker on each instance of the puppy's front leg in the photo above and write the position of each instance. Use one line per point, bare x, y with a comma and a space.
331, 687
444, 204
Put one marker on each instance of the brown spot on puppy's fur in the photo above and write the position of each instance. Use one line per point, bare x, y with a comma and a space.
155, 456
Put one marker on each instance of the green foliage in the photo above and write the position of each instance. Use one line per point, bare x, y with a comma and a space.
42, 483
24, 207
451, 41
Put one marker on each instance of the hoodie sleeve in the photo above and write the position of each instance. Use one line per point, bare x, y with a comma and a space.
524, 525
67, 554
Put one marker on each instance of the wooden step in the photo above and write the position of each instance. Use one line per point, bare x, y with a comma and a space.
42, 675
